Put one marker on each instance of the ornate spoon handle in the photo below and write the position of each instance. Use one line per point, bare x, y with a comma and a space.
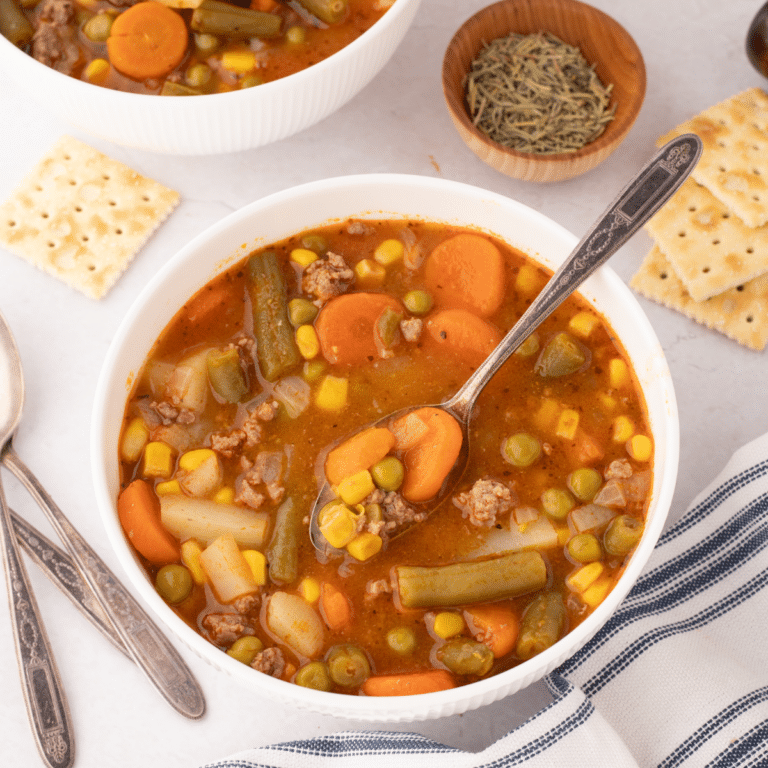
148, 646
43, 692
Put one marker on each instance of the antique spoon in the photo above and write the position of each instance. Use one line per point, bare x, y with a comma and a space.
640, 199
146, 644
757, 41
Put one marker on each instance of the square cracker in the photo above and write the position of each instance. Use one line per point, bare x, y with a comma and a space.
709, 248
740, 313
734, 161
82, 216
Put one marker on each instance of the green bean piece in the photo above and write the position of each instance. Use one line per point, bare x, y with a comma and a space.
313, 370
418, 302
216, 18
314, 242
178, 89
562, 355
466, 657
275, 345
348, 665
584, 548
301, 312
542, 625
529, 347
388, 473
283, 550
329, 11
622, 534
226, 375
521, 450
374, 513
314, 675
557, 503
387, 327
205, 43
584, 483
402, 640
174, 583
251, 81
477, 581
14, 25
98, 27
198, 75
244, 649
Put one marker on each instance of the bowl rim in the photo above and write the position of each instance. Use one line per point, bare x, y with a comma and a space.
113, 380
603, 142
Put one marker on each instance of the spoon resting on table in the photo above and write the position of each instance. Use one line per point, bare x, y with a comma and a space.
651, 187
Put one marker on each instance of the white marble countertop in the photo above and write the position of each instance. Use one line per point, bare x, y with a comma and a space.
694, 53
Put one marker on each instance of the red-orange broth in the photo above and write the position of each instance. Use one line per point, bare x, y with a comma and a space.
551, 505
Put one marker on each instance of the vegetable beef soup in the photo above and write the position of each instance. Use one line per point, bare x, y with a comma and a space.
184, 47
263, 384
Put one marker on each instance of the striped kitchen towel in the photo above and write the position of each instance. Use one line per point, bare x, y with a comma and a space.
678, 676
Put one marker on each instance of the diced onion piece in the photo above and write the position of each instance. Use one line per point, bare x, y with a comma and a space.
294, 393
296, 623
188, 384
205, 478
591, 517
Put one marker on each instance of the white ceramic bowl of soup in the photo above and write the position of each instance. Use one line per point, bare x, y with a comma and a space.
214, 123
382, 196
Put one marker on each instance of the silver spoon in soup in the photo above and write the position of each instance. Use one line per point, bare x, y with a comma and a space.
448, 422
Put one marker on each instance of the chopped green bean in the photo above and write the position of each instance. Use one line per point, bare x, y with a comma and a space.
216, 18
283, 549
387, 327
562, 355
226, 374
542, 625
314, 242
622, 535
178, 89
329, 11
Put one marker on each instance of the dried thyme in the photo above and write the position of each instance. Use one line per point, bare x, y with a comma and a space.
535, 93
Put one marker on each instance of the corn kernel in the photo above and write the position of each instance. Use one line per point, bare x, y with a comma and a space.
563, 534
191, 460
355, 488
239, 62
295, 35
309, 589
168, 487
307, 341
583, 323
595, 594
158, 460
623, 429
190, 556
303, 256
639, 447
618, 373
332, 393
258, 565
313, 370
365, 546
369, 274
135, 437
527, 280
389, 252
225, 495
448, 624
609, 402
97, 71
567, 423
339, 525
546, 414
585, 577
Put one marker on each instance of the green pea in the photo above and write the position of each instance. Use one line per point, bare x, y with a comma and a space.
250, 81
348, 665
198, 75
314, 242
98, 27
529, 347
388, 473
301, 312
584, 483
418, 302
521, 450
206, 43
557, 503
295, 35
174, 583
314, 675
622, 535
244, 649
466, 657
402, 640
584, 548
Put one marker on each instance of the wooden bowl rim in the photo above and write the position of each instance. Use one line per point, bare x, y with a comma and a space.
615, 131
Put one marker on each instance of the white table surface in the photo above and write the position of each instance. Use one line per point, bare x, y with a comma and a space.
694, 53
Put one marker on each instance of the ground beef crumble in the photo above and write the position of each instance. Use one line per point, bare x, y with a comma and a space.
326, 278
225, 628
411, 328
270, 661
484, 501
170, 414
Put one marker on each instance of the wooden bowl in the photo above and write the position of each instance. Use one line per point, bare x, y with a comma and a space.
602, 41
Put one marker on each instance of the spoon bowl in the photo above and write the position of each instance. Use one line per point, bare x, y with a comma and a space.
757, 41
651, 187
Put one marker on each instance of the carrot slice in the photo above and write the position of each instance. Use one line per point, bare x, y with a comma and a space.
139, 511
148, 40
495, 625
410, 684
346, 326
466, 272
360, 452
463, 333
335, 607
429, 461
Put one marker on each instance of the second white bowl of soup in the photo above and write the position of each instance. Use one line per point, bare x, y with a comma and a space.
245, 372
